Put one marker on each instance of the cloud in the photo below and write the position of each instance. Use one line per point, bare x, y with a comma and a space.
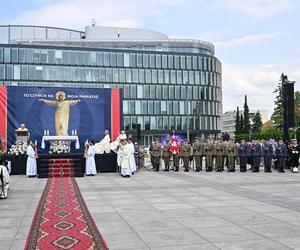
258, 9
258, 83
77, 14
249, 39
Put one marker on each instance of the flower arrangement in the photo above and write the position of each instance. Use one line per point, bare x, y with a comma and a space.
59, 147
18, 149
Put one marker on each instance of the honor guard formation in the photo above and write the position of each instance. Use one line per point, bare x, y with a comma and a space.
221, 155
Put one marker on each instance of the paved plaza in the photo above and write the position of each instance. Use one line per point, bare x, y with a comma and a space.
159, 210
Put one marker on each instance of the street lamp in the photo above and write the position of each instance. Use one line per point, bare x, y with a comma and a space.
187, 114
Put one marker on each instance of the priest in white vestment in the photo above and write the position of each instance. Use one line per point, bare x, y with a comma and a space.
4, 180
125, 159
90, 164
114, 145
31, 167
104, 145
132, 158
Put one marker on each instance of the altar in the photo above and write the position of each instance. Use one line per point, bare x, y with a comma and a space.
65, 138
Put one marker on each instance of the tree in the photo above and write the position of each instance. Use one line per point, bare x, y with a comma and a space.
237, 121
277, 115
242, 131
256, 123
246, 125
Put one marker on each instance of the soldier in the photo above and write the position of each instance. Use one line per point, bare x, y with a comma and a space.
156, 154
174, 147
208, 151
230, 153
198, 153
219, 155
281, 154
267, 152
185, 152
256, 153
167, 154
294, 151
243, 153
141, 157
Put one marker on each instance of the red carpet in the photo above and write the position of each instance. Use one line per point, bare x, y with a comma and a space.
62, 220
61, 168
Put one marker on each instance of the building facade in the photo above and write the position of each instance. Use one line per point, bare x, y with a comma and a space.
168, 84
228, 120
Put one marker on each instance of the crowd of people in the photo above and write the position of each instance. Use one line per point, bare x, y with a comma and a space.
220, 154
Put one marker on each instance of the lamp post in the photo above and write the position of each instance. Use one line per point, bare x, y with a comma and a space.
187, 114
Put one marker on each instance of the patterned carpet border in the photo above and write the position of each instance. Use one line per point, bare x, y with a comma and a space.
42, 225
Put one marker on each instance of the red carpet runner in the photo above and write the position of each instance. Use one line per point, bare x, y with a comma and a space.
62, 220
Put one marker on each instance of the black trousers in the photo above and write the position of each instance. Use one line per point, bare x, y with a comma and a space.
281, 163
268, 162
243, 163
256, 163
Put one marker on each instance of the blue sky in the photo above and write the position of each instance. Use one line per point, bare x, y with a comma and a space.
255, 40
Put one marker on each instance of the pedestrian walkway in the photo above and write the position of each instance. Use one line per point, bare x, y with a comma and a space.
168, 210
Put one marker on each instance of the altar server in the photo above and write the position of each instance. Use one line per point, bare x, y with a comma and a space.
125, 159
4, 180
31, 167
104, 145
132, 156
90, 165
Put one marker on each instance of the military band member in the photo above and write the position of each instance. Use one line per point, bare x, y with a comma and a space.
185, 152
156, 154
231, 153
198, 153
166, 155
294, 151
209, 153
256, 153
281, 155
243, 153
267, 152
219, 155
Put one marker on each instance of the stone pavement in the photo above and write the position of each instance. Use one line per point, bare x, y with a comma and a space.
159, 210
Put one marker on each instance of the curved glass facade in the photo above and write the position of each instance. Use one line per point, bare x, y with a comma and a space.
156, 85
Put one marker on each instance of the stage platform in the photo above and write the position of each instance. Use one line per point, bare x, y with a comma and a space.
105, 163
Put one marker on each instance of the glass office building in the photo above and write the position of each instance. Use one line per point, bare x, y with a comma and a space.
168, 84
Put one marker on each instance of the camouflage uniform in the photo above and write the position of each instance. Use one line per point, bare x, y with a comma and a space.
167, 154
219, 154
156, 154
209, 152
198, 154
185, 152
231, 153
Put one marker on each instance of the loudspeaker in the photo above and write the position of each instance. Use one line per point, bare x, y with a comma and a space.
288, 104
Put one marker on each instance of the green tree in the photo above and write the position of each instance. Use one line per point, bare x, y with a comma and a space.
237, 121
277, 115
242, 131
246, 125
256, 123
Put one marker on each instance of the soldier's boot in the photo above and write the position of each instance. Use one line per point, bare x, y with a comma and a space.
166, 168
177, 168
186, 169
197, 168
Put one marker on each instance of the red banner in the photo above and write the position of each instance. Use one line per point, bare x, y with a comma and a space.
3, 115
115, 113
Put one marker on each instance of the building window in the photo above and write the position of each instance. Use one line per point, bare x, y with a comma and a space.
145, 60
182, 62
121, 60
140, 91
150, 107
164, 61
139, 60
160, 76
152, 61
138, 108
142, 76
147, 122
133, 60
14, 55
126, 60
152, 91
154, 76
125, 107
153, 123
170, 61
145, 107
146, 91
158, 61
